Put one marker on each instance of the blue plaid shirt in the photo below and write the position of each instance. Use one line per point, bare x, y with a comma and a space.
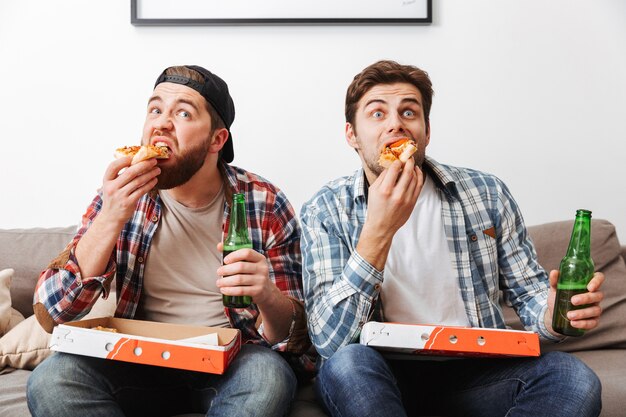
490, 247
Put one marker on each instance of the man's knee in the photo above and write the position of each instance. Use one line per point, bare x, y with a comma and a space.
266, 370
262, 382
357, 381
576, 378
352, 366
350, 362
37, 384
44, 389
573, 370
46, 376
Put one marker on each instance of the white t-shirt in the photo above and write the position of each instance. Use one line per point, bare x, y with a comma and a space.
420, 285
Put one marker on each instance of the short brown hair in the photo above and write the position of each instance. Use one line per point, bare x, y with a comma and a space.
388, 72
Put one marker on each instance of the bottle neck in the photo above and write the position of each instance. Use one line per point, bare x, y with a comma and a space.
580, 242
237, 217
238, 227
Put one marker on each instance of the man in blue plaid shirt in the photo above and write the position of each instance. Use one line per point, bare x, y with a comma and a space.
428, 243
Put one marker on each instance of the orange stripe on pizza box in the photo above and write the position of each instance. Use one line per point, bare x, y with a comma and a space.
151, 343
449, 340
160, 354
488, 341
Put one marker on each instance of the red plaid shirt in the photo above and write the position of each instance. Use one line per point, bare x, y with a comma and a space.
67, 295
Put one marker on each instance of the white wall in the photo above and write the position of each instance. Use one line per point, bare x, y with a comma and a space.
531, 90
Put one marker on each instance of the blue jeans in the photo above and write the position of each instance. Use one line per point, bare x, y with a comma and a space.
358, 381
258, 382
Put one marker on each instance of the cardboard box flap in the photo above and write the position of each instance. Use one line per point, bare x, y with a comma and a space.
166, 331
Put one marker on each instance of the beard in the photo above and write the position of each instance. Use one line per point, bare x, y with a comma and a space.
188, 163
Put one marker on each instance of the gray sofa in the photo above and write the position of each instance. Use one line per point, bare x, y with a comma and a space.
28, 251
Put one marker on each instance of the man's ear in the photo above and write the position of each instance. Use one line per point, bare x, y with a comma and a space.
351, 136
219, 138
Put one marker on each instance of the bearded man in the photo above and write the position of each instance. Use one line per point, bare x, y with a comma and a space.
155, 229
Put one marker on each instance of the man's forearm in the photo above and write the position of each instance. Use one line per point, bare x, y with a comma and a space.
373, 246
94, 249
277, 315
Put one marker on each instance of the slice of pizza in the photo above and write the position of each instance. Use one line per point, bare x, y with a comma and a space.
401, 149
141, 153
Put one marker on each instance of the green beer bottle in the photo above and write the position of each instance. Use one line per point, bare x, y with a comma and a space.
575, 272
238, 238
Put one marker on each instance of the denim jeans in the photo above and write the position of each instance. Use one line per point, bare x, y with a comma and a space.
258, 382
358, 381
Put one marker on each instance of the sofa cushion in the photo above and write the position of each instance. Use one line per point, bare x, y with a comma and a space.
13, 394
28, 252
25, 346
551, 241
610, 367
9, 317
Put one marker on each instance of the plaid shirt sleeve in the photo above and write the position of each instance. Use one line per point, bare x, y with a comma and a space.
340, 286
62, 290
276, 234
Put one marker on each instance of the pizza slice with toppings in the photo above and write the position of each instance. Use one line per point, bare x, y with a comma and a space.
401, 149
144, 152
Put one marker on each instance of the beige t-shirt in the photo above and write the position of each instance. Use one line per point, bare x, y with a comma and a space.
180, 272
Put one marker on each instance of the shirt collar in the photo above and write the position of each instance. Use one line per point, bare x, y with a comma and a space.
230, 176
441, 175
359, 186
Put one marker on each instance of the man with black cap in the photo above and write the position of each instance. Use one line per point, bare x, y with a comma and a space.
156, 227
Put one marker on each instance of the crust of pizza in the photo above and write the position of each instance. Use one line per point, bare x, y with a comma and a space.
105, 329
141, 153
401, 149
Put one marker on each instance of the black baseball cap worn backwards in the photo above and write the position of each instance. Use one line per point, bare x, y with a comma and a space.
215, 92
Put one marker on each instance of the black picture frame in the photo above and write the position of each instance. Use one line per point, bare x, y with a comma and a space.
137, 20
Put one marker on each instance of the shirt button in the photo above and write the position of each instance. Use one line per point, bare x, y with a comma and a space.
474, 238
140, 259
377, 287
154, 219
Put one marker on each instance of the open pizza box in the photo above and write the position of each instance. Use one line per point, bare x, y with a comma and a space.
195, 348
449, 340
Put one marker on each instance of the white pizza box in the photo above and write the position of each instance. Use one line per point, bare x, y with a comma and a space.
150, 343
449, 340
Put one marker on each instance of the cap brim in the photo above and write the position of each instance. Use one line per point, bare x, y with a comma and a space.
228, 153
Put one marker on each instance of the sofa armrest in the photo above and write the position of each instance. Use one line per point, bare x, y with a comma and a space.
28, 251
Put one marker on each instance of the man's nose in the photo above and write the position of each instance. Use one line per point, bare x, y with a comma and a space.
395, 123
163, 122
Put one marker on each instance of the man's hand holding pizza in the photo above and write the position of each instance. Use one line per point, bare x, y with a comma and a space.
391, 199
131, 175
123, 185
125, 181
